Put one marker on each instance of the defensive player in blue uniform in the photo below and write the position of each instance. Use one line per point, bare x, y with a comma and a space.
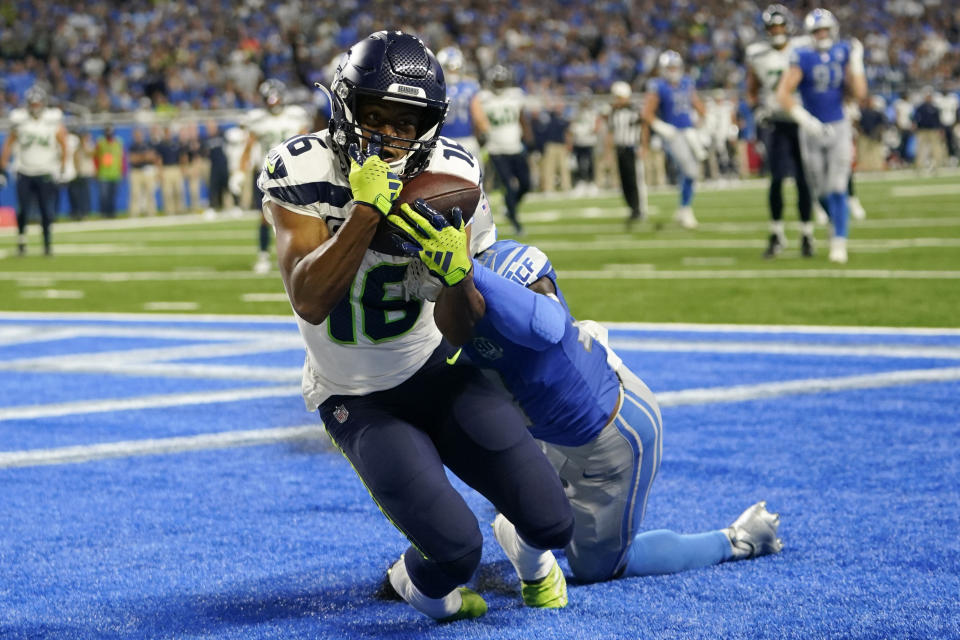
462, 93
598, 422
668, 111
824, 73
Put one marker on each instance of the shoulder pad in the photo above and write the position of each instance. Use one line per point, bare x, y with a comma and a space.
524, 264
451, 157
757, 48
303, 174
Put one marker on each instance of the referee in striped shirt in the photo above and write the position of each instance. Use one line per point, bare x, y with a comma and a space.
626, 131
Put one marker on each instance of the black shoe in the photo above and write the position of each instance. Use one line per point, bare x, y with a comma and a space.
774, 246
806, 246
48, 251
21, 249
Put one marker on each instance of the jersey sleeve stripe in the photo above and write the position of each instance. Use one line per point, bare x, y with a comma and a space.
311, 193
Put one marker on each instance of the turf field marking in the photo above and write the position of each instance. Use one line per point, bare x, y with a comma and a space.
693, 274
264, 297
145, 402
780, 328
53, 294
154, 446
170, 306
778, 348
913, 191
742, 393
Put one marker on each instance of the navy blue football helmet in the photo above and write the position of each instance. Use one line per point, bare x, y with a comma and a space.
395, 66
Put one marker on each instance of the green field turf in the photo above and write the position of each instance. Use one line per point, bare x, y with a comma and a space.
904, 267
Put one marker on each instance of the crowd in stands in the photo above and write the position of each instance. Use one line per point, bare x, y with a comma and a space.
171, 54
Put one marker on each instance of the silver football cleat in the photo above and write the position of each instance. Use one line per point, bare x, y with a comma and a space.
754, 533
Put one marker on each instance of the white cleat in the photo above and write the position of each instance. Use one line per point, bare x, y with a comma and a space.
262, 265
754, 533
856, 209
685, 217
838, 250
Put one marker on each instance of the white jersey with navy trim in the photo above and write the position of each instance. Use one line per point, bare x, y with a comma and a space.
36, 150
503, 110
769, 64
379, 335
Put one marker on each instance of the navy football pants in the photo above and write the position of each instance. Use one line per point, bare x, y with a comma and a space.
398, 442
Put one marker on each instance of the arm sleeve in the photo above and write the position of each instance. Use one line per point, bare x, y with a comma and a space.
522, 316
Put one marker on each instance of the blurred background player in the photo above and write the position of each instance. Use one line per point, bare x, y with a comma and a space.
824, 72
626, 129
462, 92
267, 128
585, 129
38, 141
503, 124
767, 61
668, 111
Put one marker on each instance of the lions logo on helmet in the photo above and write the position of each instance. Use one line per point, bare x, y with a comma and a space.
393, 66
816, 22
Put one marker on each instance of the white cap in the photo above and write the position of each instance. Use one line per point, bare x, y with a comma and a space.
620, 89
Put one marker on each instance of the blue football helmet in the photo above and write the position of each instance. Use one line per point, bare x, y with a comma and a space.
394, 66
670, 64
822, 19
451, 59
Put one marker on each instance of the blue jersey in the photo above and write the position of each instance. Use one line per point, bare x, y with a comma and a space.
459, 122
821, 88
676, 102
559, 375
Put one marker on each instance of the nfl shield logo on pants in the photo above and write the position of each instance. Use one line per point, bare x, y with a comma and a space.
340, 413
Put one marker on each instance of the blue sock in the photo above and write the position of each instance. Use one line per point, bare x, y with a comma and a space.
686, 192
264, 237
839, 213
662, 551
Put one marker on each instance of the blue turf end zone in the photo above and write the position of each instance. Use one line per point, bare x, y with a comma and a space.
280, 540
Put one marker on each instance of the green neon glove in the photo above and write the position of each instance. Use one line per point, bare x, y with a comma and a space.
371, 180
441, 247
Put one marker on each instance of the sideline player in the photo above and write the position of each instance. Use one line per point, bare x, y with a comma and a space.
823, 72
389, 389
767, 61
502, 123
668, 111
600, 424
462, 91
38, 140
267, 128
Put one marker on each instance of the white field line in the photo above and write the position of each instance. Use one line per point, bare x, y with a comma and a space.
40, 333
154, 446
780, 329
136, 223
161, 370
160, 318
154, 354
925, 190
720, 274
617, 242
742, 393
858, 351
82, 453
145, 402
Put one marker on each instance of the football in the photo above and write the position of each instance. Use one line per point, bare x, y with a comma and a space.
443, 191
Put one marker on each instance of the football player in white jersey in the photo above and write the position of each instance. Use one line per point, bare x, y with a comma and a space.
267, 128
503, 126
38, 141
766, 62
392, 393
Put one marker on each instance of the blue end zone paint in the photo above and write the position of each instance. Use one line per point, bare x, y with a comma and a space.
166, 422
787, 336
27, 388
174, 322
287, 358
86, 344
283, 541
673, 371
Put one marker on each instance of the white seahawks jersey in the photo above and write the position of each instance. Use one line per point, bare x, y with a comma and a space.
270, 129
379, 334
36, 149
503, 110
769, 65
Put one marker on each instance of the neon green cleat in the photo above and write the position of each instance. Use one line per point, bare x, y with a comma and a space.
473, 606
549, 593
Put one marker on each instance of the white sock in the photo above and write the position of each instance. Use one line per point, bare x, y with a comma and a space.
434, 607
531, 563
777, 228
807, 228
